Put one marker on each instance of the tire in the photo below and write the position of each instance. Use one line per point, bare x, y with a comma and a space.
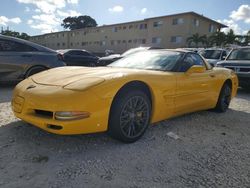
34, 70
224, 98
130, 116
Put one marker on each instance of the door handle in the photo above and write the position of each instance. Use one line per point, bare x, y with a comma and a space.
212, 75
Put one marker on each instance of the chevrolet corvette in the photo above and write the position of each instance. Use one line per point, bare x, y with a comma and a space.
125, 97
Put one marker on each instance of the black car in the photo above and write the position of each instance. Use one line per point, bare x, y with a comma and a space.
20, 59
111, 58
78, 57
239, 61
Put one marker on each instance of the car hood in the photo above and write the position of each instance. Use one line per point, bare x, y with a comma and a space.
64, 76
235, 62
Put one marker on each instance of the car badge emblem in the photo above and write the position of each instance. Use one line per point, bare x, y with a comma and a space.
30, 87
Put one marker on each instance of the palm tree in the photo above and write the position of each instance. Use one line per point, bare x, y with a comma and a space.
196, 39
218, 38
230, 37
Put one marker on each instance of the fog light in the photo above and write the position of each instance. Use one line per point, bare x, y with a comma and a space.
71, 115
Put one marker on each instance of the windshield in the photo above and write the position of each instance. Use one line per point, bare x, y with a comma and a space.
133, 50
211, 54
150, 60
239, 54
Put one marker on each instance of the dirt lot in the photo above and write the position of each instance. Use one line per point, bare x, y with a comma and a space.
213, 151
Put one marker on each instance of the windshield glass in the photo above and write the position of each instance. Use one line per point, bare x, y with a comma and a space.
133, 50
239, 54
211, 54
150, 60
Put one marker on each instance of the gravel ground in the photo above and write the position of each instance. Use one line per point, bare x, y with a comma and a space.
213, 151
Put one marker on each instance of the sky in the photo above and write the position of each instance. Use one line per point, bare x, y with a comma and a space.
44, 16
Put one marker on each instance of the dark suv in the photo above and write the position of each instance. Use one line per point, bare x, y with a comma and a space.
239, 61
20, 59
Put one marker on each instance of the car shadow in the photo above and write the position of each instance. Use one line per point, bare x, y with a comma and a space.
27, 134
30, 150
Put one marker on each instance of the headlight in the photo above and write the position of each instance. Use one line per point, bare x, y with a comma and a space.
71, 115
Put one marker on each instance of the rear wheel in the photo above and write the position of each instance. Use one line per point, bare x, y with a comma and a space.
129, 116
224, 98
34, 70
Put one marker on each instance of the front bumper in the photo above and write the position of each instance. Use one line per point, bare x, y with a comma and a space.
38, 105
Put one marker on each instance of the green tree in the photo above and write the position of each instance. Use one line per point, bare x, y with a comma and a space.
196, 39
230, 37
218, 38
79, 22
24, 36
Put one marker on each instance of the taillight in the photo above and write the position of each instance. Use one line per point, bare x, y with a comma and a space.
60, 57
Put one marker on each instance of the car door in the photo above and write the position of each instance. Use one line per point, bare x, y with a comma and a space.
194, 90
14, 59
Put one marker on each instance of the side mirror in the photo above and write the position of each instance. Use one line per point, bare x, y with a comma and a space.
223, 57
196, 69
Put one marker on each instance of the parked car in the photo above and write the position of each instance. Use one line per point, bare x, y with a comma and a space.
78, 57
213, 56
239, 61
20, 59
124, 97
103, 61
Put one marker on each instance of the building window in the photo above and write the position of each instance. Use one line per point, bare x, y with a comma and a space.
63, 44
131, 26
129, 41
156, 40
71, 44
102, 43
114, 29
135, 41
211, 28
176, 39
158, 24
119, 41
124, 41
124, 27
143, 41
143, 26
196, 22
178, 21
112, 42
58, 44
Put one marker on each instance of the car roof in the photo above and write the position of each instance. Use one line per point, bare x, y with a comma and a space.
32, 44
67, 50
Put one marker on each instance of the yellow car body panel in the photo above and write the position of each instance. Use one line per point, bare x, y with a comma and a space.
93, 90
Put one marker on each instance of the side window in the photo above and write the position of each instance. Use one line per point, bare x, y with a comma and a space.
11, 46
198, 60
224, 54
6, 46
85, 53
73, 53
189, 61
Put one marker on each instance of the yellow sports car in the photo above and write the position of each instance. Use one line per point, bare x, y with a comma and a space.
124, 97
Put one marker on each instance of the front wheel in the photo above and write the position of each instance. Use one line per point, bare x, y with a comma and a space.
224, 98
130, 116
